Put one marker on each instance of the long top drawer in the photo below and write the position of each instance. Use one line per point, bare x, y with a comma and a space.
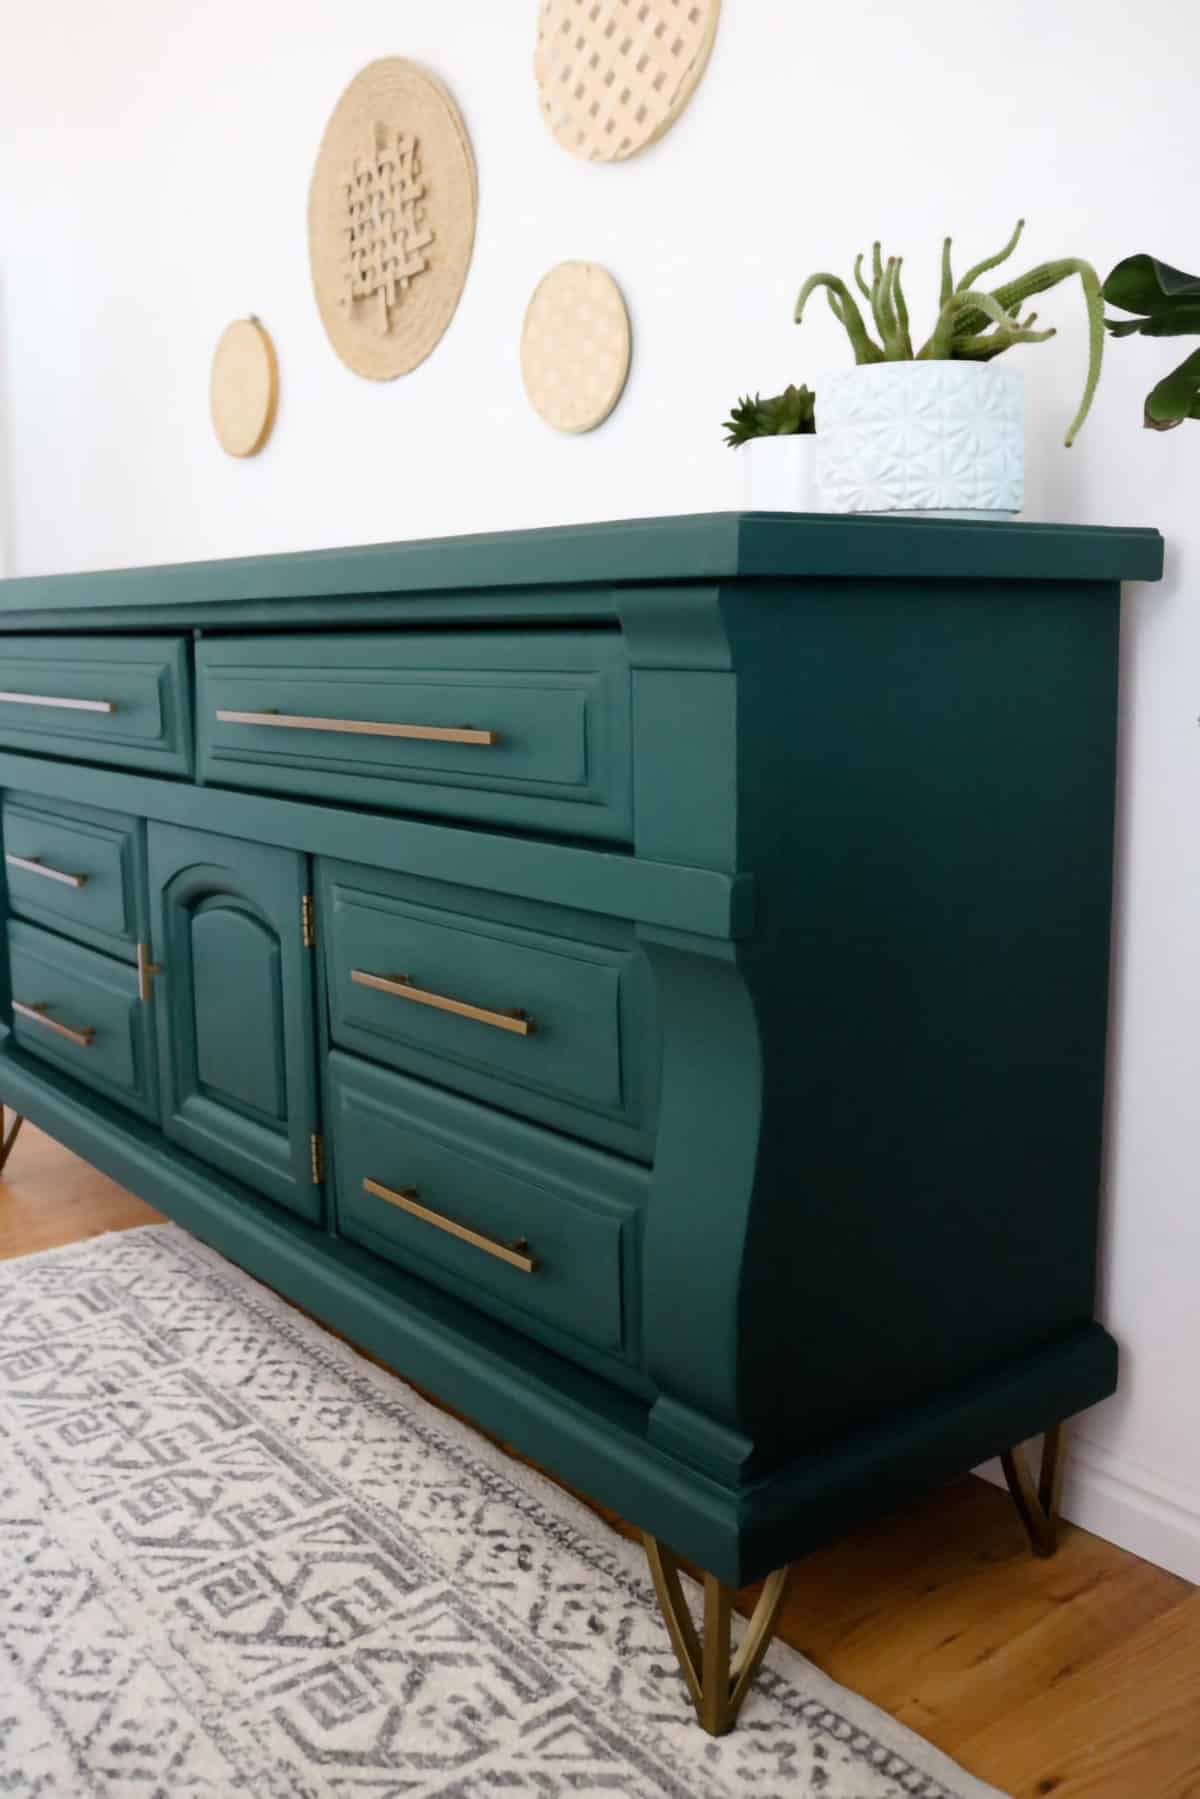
524, 728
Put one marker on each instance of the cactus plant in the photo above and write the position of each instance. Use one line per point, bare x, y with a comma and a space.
973, 323
1169, 302
789, 414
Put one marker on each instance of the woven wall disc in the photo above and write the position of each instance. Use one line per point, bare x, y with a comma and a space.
614, 75
391, 218
575, 346
243, 388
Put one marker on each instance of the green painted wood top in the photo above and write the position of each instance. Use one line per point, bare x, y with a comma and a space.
700, 547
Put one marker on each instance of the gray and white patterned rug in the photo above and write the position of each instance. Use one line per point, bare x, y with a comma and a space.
236, 1558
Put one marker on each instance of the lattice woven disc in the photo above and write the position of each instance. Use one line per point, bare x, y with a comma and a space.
614, 75
575, 346
391, 218
243, 388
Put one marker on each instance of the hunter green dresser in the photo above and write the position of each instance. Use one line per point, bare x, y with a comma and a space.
646, 982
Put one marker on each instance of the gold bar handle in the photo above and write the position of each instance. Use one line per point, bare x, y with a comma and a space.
146, 971
37, 1013
516, 1254
45, 699
401, 987
362, 727
33, 865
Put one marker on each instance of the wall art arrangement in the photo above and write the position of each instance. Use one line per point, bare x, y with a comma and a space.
243, 387
392, 210
391, 218
614, 75
575, 346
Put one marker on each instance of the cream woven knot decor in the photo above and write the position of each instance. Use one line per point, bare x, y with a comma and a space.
391, 218
614, 75
575, 346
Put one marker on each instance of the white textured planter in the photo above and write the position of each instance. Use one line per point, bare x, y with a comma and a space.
946, 438
780, 474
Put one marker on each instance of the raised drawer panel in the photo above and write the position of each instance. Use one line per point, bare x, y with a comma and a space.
536, 1008
526, 728
81, 1011
120, 700
76, 870
517, 1221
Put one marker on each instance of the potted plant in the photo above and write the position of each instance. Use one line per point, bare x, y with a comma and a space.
938, 429
1169, 304
777, 438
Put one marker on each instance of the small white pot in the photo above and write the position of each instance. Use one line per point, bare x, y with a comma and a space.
780, 474
945, 439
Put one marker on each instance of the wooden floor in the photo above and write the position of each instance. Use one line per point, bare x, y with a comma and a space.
1075, 1676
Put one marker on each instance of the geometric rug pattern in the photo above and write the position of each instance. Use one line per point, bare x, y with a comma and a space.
237, 1558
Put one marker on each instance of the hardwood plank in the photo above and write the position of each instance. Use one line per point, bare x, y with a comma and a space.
1127, 1726
48, 1197
1077, 1677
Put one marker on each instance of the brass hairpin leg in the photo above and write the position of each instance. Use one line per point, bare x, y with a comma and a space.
1038, 1506
6, 1142
716, 1680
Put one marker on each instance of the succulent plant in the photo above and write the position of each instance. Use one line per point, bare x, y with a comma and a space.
973, 324
1169, 302
789, 414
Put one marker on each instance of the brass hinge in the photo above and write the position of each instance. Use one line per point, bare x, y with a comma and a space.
308, 923
316, 1147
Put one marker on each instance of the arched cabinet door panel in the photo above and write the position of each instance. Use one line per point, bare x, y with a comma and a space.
235, 1009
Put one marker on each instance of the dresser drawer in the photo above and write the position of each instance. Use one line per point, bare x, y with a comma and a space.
81, 1011
532, 1007
527, 728
519, 1222
77, 870
121, 700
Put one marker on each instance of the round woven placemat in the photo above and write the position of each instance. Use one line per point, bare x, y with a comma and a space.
614, 75
243, 387
575, 346
391, 218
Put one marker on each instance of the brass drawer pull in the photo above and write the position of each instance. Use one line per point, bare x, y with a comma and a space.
33, 865
516, 1254
362, 727
37, 1013
42, 699
400, 985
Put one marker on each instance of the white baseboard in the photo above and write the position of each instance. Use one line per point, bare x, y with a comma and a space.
1116, 1499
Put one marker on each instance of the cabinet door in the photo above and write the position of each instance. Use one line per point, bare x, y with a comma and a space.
236, 1021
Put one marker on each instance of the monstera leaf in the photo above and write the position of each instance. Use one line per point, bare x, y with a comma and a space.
1169, 304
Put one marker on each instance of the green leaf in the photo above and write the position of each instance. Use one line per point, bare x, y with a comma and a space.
1181, 321
1143, 284
1177, 396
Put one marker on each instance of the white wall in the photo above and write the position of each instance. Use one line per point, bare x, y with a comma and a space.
154, 161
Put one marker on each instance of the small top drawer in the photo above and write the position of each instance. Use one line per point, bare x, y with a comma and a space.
77, 870
121, 700
528, 728
529, 1006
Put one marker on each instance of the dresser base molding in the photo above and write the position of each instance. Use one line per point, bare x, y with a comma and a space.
718, 1678
576, 1425
1038, 1504
8, 1136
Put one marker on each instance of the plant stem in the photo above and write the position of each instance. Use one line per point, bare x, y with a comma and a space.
1047, 275
992, 262
864, 347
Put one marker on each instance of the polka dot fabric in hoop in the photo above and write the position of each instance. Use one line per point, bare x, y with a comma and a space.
575, 346
614, 75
